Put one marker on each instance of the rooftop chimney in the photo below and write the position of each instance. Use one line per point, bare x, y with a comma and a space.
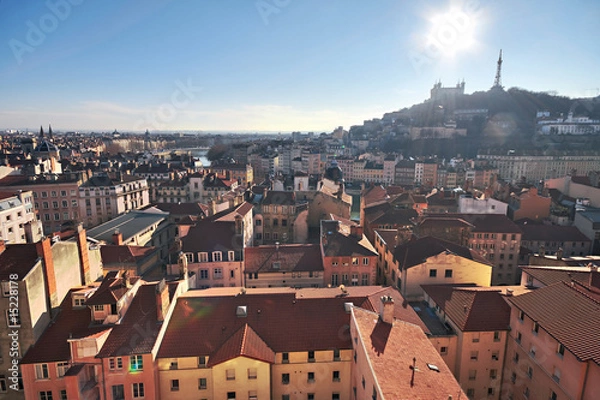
84, 257
356, 231
387, 313
559, 253
162, 300
44, 251
117, 238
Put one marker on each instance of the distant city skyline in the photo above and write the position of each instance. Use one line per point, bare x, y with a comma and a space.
276, 65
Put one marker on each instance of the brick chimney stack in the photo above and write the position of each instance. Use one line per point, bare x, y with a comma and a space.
84, 257
387, 312
356, 231
117, 238
44, 251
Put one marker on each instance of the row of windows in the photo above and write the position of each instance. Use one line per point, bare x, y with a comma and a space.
335, 281
355, 261
285, 357
217, 273
54, 193
203, 257
63, 203
310, 377
137, 389
47, 395
284, 222
433, 273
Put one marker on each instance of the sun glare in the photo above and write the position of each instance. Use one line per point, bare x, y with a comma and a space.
451, 32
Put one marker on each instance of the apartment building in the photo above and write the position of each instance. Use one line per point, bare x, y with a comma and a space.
495, 237
431, 261
349, 258
312, 354
214, 248
55, 197
479, 320
16, 212
293, 265
552, 350
104, 197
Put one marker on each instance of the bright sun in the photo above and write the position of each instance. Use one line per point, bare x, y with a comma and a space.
451, 32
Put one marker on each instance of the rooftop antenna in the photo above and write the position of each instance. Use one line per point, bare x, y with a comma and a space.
498, 79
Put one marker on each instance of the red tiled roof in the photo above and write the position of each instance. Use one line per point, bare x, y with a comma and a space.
244, 342
342, 244
471, 309
284, 321
375, 194
494, 223
112, 288
114, 254
568, 313
551, 275
292, 257
17, 259
552, 233
416, 251
372, 300
137, 331
388, 236
72, 323
391, 350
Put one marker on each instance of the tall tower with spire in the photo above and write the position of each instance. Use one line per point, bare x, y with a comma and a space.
498, 79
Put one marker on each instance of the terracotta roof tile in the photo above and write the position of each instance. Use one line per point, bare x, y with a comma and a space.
495, 223
138, 329
286, 320
471, 309
391, 350
568, 313
112, 288
551, 275
552, 233
416, 251
244, 342
114, 254
71, 323
293, 257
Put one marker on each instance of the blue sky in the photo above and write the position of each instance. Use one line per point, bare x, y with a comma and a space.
276, 65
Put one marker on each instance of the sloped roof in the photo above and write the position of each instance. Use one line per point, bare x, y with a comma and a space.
245, 342
338, 242
416, 251
137, 332
552, 233
112, 288
471, 309
491, 223
292, 257
568, 313
17, 259
74, 323
394, 350
551, 275
114, 254
284, 319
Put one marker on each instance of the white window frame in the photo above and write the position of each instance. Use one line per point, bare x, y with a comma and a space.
217, 256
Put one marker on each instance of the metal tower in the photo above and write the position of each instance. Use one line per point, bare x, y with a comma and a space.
498, 80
